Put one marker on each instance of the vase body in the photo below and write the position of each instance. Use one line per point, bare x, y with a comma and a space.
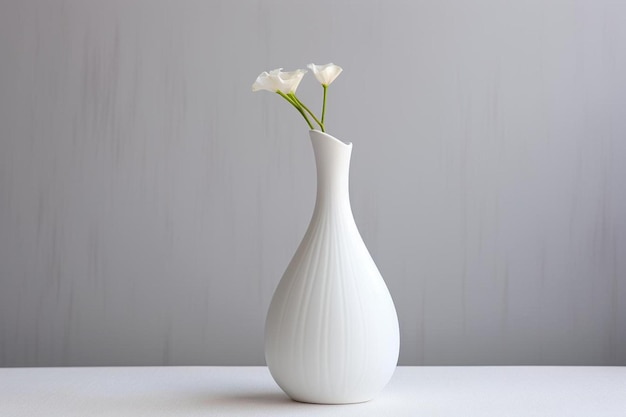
331, 334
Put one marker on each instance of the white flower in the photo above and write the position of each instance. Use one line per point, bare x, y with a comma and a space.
325, 74
277, 80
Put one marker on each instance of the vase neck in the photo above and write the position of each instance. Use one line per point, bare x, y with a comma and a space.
332, 159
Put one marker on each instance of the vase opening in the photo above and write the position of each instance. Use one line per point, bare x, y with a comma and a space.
332, 137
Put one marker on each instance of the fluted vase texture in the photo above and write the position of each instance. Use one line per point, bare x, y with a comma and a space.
331, 334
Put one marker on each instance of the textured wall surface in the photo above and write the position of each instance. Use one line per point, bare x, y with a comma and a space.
149, 202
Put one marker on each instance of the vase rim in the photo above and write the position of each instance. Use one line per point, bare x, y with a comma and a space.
349, 144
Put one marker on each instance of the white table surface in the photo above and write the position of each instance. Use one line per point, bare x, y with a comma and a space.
250, 391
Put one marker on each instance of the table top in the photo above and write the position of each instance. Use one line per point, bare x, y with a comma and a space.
251, 391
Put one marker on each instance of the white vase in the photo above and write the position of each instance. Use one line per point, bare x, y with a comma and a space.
331, 334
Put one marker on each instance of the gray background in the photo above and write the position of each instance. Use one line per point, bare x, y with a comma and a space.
149, 201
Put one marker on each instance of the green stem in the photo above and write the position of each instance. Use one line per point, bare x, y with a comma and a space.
297, 106
293, 96
324, 103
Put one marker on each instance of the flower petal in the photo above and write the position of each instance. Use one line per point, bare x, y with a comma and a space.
263, 83
327, 73
291, 80
277, 80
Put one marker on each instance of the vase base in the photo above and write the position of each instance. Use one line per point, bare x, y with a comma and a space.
329, 401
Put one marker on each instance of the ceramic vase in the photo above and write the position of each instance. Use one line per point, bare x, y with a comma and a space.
331, 334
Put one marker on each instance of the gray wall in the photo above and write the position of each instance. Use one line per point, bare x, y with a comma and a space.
149, 202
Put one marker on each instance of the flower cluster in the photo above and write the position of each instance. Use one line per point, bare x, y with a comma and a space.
285, 84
